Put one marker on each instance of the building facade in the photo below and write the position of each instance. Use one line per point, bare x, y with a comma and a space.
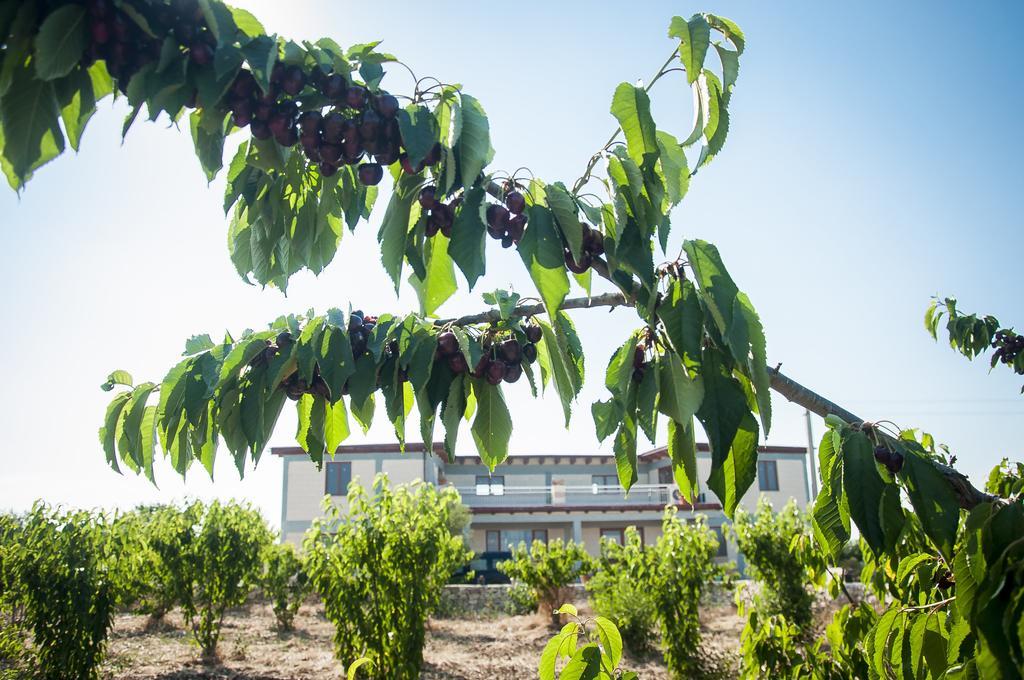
536, 497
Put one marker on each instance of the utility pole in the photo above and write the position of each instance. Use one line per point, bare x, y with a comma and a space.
810, 457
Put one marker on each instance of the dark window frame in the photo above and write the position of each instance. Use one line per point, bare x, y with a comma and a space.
621, 531
767, 481
491, 482
344, 469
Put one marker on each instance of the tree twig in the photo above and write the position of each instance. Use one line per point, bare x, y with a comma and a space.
604, 300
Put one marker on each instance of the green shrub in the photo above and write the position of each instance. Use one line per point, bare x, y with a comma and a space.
784, 560
284, 582
212, 558
547, 568
620, 590
521, 599
147, 580
778, 637
683, 566
380, 567
56, 571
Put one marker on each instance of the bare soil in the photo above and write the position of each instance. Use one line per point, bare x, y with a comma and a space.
251, 648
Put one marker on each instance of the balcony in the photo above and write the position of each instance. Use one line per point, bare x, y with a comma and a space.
558, 496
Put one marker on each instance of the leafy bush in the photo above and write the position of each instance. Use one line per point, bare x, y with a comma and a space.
620, 590
144, 579
284, 581
547, 568
212, 558
783, 558
521, 599
56, 568
380, 568
684, 565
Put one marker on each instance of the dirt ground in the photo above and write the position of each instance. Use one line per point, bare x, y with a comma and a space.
457, 649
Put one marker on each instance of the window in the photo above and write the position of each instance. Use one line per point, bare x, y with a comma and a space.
723, 549
493, 485
493, 540
665, 475
613, 535
338, 477
506, 540
767, 475
600, 483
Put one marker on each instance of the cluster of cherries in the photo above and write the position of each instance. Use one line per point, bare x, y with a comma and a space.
359, 124
115, 38
501, 361
640, 362
1007, 345
507, 223
892, 460
440, 215
593, 246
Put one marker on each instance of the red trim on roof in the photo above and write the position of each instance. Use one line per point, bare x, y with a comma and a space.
438, 449
662, 451
520, 510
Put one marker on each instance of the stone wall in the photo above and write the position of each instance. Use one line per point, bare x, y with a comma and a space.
482, 601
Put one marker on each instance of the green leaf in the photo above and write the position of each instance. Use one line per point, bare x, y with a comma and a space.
541, 251
681, 313
419, 130
624, 447
611, 639
620, 367
831, 517
29, 117
354, 667
681, 397
394, 228
563, 207
261, 55
117, 378
863, 487
469, 236
647, 403
454, 409
61, 41
674, 167
746, 331
207, 126
335, 360
311, 435
682, 451
585, 664
934, 500
492, 427
607, 417
77, 96
732, 432
108, 432
694, 36
564, 371
439, 284
474, 143
134, 413
632, 108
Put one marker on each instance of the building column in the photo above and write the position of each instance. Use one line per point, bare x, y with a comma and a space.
577, 530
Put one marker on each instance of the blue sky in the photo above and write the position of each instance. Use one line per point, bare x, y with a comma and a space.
873, 161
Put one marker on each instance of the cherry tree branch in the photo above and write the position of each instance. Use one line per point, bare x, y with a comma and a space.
969, 496
611, 300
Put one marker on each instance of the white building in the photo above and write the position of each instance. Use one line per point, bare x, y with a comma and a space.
536, 497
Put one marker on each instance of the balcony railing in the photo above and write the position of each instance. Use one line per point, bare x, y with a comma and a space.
567, 495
